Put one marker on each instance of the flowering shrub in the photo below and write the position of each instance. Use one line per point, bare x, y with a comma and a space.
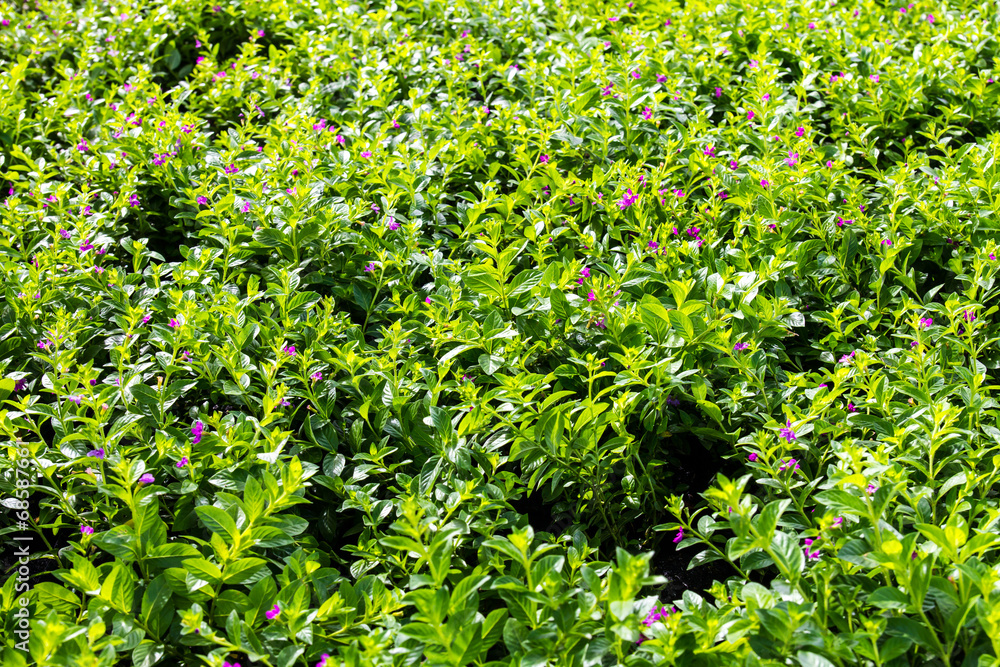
339, 334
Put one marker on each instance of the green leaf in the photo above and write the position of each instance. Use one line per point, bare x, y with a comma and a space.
877, 424
788, 555
490, 363
218, 521
889, 598
655, 317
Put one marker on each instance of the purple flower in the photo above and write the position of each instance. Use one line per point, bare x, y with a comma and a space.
96, 453
427, 300
790, 464
585, 272
733, 164
289, 350
317, 376
739, 347
232, 169
653, 245
846, 359
871, 489
86, 530
273, 612
75, 399
591, 297
543, 158
627, 199
196, 431
174, 323
787, 433
930, 18
679, 536
202, 201
764, 183
752, 457
851, 408
146, 318
82, 146
183, 462
968, 315
800, 131
366, 154
926, 322
838, 522
147, 479
749, 115
886, 242
647, 113
225, 663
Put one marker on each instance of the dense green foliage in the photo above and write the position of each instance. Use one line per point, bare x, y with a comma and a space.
414, 333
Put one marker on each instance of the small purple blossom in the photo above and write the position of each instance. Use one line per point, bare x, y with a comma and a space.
289, 350
273, 612
739, 347
926, 322
86, 530
183, 462
96, 453
679, 536
147, 479
627, 199
790, 464
787, 433
232, 169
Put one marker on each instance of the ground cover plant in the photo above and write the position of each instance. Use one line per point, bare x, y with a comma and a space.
499, 333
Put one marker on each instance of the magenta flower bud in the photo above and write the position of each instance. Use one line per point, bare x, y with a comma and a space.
183, 462
273, 612
147, 479
86, 530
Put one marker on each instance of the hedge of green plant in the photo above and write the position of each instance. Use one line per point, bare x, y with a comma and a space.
438, 333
